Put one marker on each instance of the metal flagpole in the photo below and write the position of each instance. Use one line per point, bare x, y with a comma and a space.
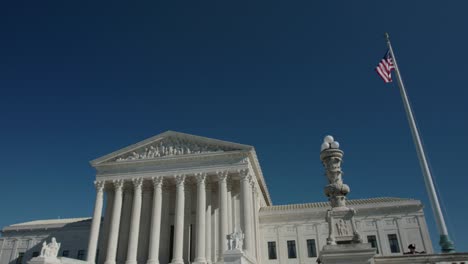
445, 243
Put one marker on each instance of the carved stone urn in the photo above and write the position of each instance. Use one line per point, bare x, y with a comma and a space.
336, 190
340, 218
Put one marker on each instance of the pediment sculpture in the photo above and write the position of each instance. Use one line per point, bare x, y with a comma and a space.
51, 249
172, 146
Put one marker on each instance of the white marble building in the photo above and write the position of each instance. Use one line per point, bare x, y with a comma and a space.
20, 242
174, 198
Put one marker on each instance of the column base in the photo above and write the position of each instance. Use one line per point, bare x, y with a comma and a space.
176, 261
109, 262
131, 262
152, 261
199, 261
446, 244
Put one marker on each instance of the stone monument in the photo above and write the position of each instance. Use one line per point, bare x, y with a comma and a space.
344, 243
235, 254
48, 254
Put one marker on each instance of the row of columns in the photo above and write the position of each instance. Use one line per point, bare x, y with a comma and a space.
203, 219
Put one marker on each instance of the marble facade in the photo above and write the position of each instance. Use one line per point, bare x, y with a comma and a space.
175, 197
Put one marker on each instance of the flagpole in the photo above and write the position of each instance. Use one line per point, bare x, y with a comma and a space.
445, 243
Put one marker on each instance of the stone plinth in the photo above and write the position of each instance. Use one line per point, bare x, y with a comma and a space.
56, 260
44, 260
341, 226
236, 256
347, 254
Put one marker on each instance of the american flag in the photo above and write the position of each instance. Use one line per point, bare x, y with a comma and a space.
385, 67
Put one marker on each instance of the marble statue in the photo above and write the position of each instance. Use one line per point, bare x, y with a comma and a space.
50, 250
235, 240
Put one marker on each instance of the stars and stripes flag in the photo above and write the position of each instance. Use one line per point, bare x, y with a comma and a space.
385, 67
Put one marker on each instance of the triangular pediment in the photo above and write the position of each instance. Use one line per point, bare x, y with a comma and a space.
170, 144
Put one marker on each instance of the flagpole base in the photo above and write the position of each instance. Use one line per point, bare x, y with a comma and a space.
446, 244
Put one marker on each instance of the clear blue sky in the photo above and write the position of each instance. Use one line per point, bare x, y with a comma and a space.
81, 79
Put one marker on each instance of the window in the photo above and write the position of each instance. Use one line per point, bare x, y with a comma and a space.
291, 249
65, 253
311, 249
393, 242
271, 250
19, 259
35, 254
373, 241
81, 254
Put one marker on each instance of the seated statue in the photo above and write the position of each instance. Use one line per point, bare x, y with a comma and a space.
50, 250
235, 240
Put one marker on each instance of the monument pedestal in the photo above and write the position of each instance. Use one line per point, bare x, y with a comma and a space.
347, 254
236, 256
44, 260
341, 226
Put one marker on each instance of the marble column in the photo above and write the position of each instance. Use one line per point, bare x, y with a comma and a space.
229, 207
104, 241
201, 218
255, 236
96, 224
246, 197
208, 224
223, 213
115, 223
155, 231
177, 254
134, 222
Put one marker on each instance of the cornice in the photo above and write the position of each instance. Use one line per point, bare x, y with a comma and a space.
209, 170
357, 203
258, 170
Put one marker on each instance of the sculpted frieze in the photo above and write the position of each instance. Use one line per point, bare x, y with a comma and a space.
172, 147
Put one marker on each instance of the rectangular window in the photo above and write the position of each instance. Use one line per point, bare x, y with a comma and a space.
373, 241
291, 249
393, 242
81, 254
271, 250
35, 254
311, 248
19, 259
65, 253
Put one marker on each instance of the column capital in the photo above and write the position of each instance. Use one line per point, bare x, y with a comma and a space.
180, 180
118, 184
157, 181
137, 183
201, 177
99, 185
245, 175
243, 172
222, 175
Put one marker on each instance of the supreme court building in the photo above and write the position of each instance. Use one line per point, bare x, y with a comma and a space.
175, 197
